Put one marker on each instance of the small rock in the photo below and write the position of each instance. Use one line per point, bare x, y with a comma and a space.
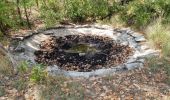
136, 34
103, 94
40, 30
131, 60
19, 38
141, 60
147, 53
19, 49
132, 44
125, 43
144, 47
82, 54
106, 27
140, 39
131, 66
48, 32
7, 78
129, 31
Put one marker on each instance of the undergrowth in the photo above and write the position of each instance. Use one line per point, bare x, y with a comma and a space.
5, 65
159, 37
157, 65
51, 87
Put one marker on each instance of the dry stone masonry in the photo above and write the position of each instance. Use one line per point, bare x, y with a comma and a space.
27, 45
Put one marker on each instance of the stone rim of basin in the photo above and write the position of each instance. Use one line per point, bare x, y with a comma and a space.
30, 43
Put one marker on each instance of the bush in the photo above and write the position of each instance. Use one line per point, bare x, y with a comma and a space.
23, 68
138, 13
74, 10
38, 74
83, 10
7, 16
166, 10
52, 12
99, 8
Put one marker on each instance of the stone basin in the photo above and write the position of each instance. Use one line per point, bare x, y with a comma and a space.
125, 36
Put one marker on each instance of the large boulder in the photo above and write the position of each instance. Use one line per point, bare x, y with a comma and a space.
6, 62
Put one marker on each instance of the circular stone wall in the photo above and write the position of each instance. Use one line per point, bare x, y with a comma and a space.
124, 48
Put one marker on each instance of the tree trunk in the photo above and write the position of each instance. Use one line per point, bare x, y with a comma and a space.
37, 3
26, 15
3, 28
19, 13
45, 3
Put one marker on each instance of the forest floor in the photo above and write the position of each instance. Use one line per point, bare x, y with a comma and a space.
138, 84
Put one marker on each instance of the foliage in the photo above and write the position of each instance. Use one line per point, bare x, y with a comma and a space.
116, 7
11, 14
7, 16
74, 10
137, 13
166, 10
38, 74
83, 10
141, 13
23, 68
52, 12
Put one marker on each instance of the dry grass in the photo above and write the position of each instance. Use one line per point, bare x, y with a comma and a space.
114, 21
159, 37
5, 65
61, 88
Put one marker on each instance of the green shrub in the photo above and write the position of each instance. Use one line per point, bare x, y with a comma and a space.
7, 16
52, 13
166, 11
99, 8
23, 68
38, 74
75, 10
116, 7
83, 10
139, 14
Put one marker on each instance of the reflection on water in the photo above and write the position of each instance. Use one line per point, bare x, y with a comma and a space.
82, 48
